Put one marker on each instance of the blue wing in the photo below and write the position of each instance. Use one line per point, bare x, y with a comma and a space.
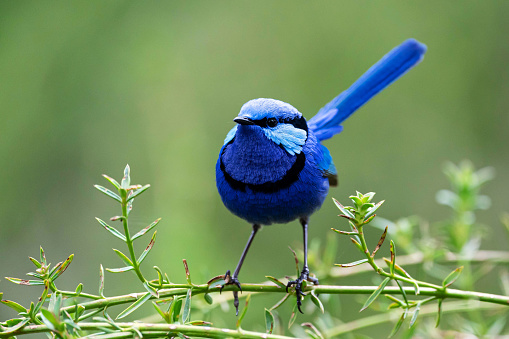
327, 166
393, 65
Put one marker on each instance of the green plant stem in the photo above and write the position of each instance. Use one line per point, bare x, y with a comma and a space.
449, 307
322, 289
129, 241
150, 330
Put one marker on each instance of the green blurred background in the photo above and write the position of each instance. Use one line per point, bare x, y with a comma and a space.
86, 87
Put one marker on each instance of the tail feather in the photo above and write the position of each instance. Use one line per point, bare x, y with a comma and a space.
393, 65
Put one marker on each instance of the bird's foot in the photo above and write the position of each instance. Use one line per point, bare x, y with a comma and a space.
232, 280
304, 276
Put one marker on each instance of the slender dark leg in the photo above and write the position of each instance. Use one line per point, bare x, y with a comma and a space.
233, 280
304, 275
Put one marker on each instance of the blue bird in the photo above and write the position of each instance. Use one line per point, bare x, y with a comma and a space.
272, 167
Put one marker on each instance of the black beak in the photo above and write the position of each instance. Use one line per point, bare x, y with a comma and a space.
243, 121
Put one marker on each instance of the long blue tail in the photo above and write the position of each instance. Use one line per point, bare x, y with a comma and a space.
393, 65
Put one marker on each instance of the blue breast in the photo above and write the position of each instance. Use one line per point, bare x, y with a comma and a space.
262, 183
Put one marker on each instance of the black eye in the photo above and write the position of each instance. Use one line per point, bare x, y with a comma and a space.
272, 122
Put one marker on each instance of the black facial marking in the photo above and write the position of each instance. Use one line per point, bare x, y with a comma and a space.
298, 122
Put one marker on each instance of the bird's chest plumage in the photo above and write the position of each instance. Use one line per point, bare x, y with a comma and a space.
262, 183
253, 159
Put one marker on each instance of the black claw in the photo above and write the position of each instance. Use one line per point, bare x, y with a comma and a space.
304, 276
229, 280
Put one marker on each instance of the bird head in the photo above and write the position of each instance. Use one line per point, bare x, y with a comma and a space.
281, 123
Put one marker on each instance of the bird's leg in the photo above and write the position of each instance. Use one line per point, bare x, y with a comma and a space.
304, 275
233, 280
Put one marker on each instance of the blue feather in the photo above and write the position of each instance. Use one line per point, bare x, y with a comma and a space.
393, 65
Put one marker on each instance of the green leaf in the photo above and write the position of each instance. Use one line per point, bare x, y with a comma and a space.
316, 301
356, 243
134, 306
160, 278
146, 229
275, 281
112, 181
120, 270
269, 321
380, 242
49, 319
25, 282
43, 256
188, 274
244, 311
403, 292
314, 331
174, 311
124, 258
344, 232
112, 230
138, 192
280, 302
296, 260
439, 313
151, 289
109, 193
397, 302
186, 310
393, 257
451, 278
16, 327
293, 317
14, 305
220, 282
101, 280
398, 324
372, 210
79, 288
355, 263
36, 263
34, 310
208, 298
126, 180
57, 273
343, 209
415, 315
199, 323
161, 313
375, 294
78, 312
148, 248
54, 303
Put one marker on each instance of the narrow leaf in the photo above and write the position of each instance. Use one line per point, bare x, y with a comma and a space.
269, 321
124, 258
355, 263
101, 280
186, 310
343, 209
280, 302
344, 232
34, 310
244, 311
296, 260
160, 278
398, 325
375, 294
25, 282
313, 329
174, 311
275, 281
36, 263
451, 278
146, 229
373, 210
138, 192
150, 289
147, 249
112, 181
188, 275
49, 319
397, 303
316, 301
415, 315
16, 327
356, 243
14, 305
79, 288
112, 230
120, 270
439, 313
43, 256
380, 242
161, 313
134, 306
403, 293
293, 317
393, 257
126, 180
62, 268
109, 193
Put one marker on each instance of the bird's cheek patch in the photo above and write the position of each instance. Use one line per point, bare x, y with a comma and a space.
290, 137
